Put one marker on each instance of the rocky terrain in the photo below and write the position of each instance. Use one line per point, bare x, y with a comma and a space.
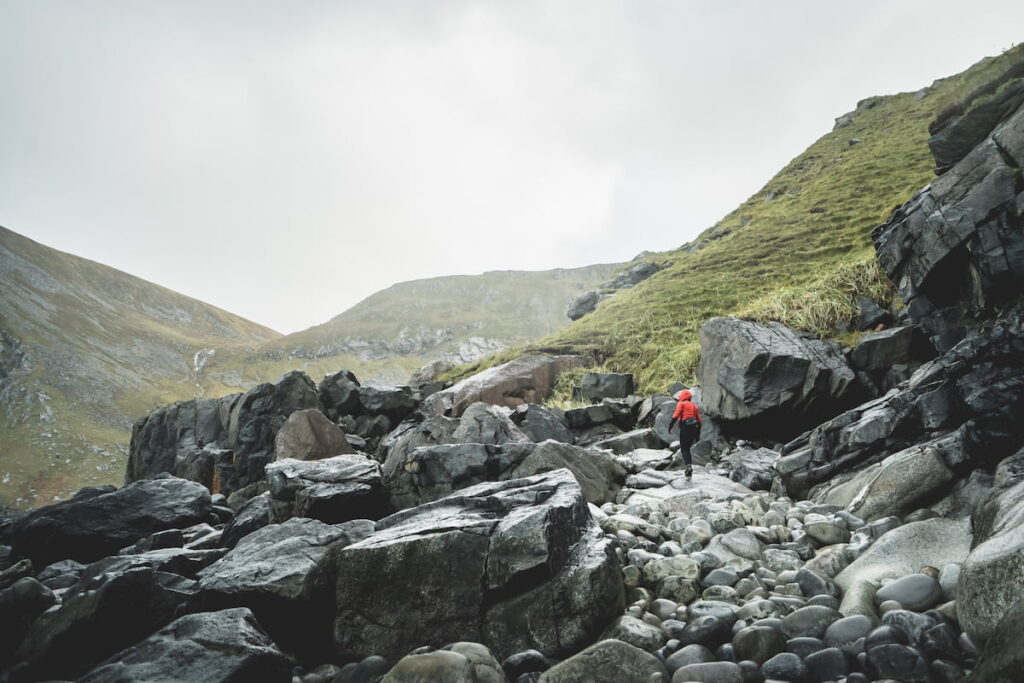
855, 513
85, 349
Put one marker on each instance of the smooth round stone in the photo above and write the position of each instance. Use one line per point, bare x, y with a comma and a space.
678, 590
637, 633
719, 672
946, 672
853, 523
626, 538
758, 643
940, 642
846, 632
824, 601
812, 621
750, 671
721, 593
708, 631
857, 677
829, 561
802, 647
813, 583
708, 561
669, 549
525, 662
898, 662
630, 576
723, 576
757, 609
709, 608
916, 592
663, 609
690, 654
949, 577
696, 534
780, 560
826, 665
885, 635
745, 587
681, 566
784, 666
787, 605
673, 627
911, 623
649, 618
744, 543
826, 533
888, 606
921, 515
725, 653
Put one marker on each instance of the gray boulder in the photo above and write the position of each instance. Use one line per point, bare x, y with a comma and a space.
223, 646
959, 134
456, 663
595, 386
98, 522
770, 376
20, 604
882, 491
541, 423
584, 303
1002, 659
332, 490
485, 423
528, 379
609, 661
339, 395
253, 515
409, 435
754, 468
432, 472
309, 435
283, 573
513, 565
631, 441
430, 373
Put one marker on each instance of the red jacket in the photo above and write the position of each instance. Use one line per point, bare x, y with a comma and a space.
686, 409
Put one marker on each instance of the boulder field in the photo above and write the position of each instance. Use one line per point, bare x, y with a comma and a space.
855, 514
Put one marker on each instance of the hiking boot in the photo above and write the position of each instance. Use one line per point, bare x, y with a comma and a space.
689, 472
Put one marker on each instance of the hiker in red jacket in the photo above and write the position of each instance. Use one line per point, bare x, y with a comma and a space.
687, 414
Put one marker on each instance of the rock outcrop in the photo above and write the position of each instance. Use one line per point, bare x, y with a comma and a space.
587, 301
333, 490
513, 565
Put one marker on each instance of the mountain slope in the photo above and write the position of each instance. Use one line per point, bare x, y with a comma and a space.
84, 350
390, 334
798, 250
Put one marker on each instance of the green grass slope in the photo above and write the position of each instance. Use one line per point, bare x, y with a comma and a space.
85, 350
798, 251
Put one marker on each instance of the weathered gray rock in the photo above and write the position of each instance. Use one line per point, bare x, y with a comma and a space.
541, 423
100, 617
410, 435
487, 424
1002, 658
393, 403
770, 376
883, 489
528, 379
100, 521
282, 572
430, 373
609, 661
430, 473
754, 468
339, 395
595, 386
228, 645
20, 604
332, 490
458, 663
255, 514
959, 134
916, 592
631, 441
881, 350
309, 435
514, 565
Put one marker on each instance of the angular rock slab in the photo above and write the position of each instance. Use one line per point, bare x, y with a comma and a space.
514, 565
528, 379
309, 435
332, 490
100, 521
431, 473
770, 375
282, 572
213, 647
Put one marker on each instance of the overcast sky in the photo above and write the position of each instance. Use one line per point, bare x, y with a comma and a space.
284, 160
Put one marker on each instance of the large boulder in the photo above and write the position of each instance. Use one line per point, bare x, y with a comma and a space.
282, 572
99, 617
430, 373
958, 135
339, 395
20, 604
595, 386
332, 490
541, 423
213, 647
584, 303
609, 661
620, 444
257, 417
485, 423
770, 378
752, 467
1002, 659
956, 249
528, 379
513, 565
432, 472
98, 522
410, 435
455, 663
309, 435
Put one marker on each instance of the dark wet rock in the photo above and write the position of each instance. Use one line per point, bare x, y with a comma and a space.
758, 643
455, 663
709, 631
804, 646
100, 522
595, 386
609, 661
711, 672
339, 395
528, 379
784, 666
580, 419
524, 662
228, 645
594, 435
255, 514
16, 571
871, 314
630, 441
20, 604
486, 424
333, 490
100, 617
770, 378
514, 565
282, 572
916, 592
430, 473
844, 633
584, 303
410, 435
960, 134
688, 654
62, 574
541, 423
827, 665
898, 662
182, 561
811, 621
309, 435
394, 403
754, 468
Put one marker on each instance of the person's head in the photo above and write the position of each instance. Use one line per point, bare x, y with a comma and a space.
685, 395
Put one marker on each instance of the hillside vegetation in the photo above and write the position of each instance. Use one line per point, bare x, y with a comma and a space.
798, 251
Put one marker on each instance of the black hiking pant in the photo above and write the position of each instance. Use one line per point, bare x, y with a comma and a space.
689, 432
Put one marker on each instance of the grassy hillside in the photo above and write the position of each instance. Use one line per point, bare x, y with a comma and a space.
797, 251
84, 350
390, 334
